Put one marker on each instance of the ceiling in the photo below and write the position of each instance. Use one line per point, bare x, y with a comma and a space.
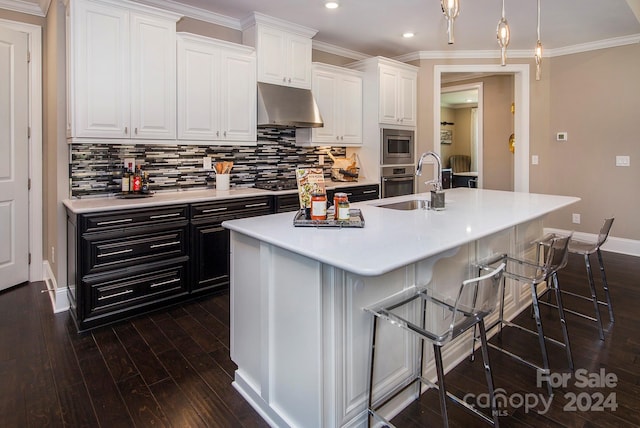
374, 27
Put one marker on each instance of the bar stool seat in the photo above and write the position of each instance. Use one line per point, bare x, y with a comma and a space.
586, 249
419, 311
534, 273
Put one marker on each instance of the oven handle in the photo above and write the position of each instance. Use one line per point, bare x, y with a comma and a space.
407, 178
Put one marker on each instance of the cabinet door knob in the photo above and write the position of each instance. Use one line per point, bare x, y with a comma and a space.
289, 79
217, 133
225, 134
135, 130
126, 130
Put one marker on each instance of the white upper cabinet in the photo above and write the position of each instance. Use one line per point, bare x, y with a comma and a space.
338, 93
121, 71
398, 96
393, 88
283, 50
216, 90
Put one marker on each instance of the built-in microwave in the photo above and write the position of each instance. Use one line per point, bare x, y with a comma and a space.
397, 147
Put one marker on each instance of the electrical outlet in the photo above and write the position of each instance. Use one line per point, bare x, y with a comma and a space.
131, 161
575, 218
623, 160
534, 160
206, 163
562, 136
53, 254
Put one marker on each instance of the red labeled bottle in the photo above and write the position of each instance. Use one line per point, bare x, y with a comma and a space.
137, 181
318, 206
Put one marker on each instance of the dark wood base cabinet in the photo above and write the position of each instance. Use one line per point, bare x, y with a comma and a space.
210, 241
124, 263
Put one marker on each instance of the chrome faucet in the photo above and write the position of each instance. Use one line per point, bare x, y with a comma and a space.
437, 182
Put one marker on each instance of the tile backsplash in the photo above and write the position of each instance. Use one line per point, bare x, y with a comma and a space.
95, 168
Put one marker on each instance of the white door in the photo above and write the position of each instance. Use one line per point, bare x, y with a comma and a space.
14, 171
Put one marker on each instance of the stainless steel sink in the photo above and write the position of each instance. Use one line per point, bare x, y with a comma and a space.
412, 204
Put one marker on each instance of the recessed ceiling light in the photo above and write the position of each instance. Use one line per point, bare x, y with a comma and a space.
331, 5
408, 35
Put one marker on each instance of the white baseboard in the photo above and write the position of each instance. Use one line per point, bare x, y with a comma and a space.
59, 299
630, 247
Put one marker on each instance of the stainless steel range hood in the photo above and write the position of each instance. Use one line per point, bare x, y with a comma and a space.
284, 106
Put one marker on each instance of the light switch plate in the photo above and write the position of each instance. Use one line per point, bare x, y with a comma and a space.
534, 159
623, 160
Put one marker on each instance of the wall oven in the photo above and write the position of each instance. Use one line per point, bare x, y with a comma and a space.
397, 181
397, 147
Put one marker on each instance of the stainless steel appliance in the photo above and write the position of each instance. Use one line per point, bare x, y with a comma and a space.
398, 147
397, 181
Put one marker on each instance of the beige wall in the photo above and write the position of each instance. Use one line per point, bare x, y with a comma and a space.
595, 97
21, 17
446, 150
54, 146
207, 29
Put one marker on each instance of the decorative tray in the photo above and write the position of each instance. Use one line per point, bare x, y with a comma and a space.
134, 195
356, 220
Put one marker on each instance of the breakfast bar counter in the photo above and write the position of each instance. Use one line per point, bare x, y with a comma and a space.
298, 332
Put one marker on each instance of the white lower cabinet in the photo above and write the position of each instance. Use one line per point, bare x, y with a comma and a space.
121, 71
216, 91
338, 93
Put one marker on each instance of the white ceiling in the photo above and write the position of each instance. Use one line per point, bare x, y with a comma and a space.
374, 27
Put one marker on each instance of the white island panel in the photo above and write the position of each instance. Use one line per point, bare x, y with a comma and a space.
298, 332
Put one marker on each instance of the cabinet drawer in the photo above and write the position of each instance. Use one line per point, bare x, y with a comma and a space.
125, 219
230, 209
286, 203
358, 193
108, 252
118, 293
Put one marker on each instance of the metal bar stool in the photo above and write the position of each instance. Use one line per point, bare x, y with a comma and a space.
534, 273
475, 299
586, 249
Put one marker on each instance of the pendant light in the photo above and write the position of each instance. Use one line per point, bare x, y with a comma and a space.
504, 35
538, 52
451, 9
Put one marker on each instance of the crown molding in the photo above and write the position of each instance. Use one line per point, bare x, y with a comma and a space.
337, 50
260, 18
27, 7
521, 53
592, 46
194, 12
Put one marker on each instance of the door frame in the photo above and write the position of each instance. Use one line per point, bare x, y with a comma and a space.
478, 86
520, 119
35, 143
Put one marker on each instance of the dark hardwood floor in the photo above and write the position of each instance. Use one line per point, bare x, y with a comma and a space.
172, 368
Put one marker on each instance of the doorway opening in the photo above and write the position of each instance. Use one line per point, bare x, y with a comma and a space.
461, 132
520, 116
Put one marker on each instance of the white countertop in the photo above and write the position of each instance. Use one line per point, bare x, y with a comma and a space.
95, 204
394, 238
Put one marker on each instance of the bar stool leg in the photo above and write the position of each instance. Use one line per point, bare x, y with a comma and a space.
543, 346
605, 285
563, 321
374, 326
441, 388
594, 297
488, 374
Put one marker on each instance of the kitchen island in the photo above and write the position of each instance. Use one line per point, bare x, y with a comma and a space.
298, 332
